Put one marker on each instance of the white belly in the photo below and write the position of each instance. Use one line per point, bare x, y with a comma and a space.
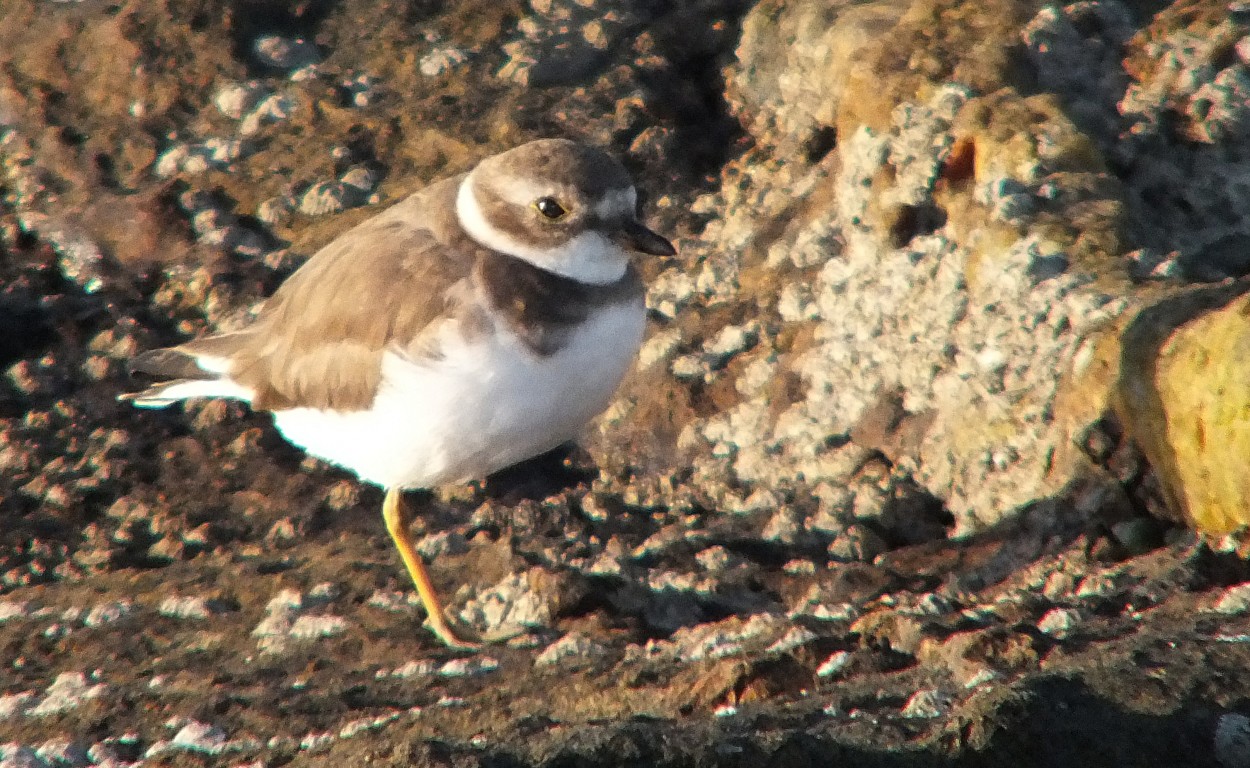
478, 409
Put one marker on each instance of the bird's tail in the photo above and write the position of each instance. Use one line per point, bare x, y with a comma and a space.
190, 374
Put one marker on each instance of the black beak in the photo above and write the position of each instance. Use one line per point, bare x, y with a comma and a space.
636, 237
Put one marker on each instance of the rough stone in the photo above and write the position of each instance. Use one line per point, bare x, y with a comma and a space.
885, 424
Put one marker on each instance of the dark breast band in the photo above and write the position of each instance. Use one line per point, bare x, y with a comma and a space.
541, 307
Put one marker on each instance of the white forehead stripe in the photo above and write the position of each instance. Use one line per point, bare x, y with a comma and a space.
521, 191
617, 203
588, 258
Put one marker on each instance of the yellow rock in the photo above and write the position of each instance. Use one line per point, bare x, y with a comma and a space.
1184, 394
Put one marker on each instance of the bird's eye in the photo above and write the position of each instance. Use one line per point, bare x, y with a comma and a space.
548, 207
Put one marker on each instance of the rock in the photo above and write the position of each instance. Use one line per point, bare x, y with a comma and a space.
440, 60
894, 630
18, 756
927, 703
519, 602
798, 53
899, 421
1235, 600
834, 664
107, 613
856, 543
200, 737
285, 52
1183, 172
1059, 622
69, 691
80, 258
927, 334
1232, 740
323, 198
565, 41
235, 100
1181, 399
291, 617
573, 648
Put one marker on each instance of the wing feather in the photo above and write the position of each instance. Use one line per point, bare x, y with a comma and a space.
319, 340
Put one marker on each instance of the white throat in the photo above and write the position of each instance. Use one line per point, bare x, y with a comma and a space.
587, 258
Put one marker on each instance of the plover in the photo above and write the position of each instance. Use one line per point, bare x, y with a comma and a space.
479, 322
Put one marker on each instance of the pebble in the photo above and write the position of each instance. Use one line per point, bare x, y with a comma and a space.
933, 604
283, 532
360, 178
274, 210
799, 567
197, 158
193, 607
840, 612
63, 753
313, 627
315, 740
395, 602
285, 619
1235, 600
659, 347
731, 340
366, 724
856, 543
797, 637
20, 756
322, 594
414, 668
324, 197
1150, 264
836, 662
786, 526
440, 60
78, 257
926, 704
513, 603
717, 559
573, 646
360, 91
16, 704
285, 52
273, 108
200, 737
220, 228
1096, 585
715, 641
468, 667
13, 609
234, 100
760, 499
107, 613
442, 543
1059, 622
69, 691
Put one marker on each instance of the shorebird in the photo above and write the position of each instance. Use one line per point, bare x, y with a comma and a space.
481, 321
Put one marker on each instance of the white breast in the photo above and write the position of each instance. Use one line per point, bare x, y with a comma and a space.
478, 409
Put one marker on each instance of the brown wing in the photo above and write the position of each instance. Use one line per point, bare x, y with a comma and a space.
319, 340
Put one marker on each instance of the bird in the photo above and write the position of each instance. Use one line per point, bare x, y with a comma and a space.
483, 320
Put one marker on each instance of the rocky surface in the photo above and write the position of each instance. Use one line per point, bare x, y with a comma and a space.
942, 382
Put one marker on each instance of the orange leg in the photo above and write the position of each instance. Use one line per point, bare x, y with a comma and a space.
396, 516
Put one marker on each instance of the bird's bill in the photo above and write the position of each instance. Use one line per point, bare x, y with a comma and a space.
636, 237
